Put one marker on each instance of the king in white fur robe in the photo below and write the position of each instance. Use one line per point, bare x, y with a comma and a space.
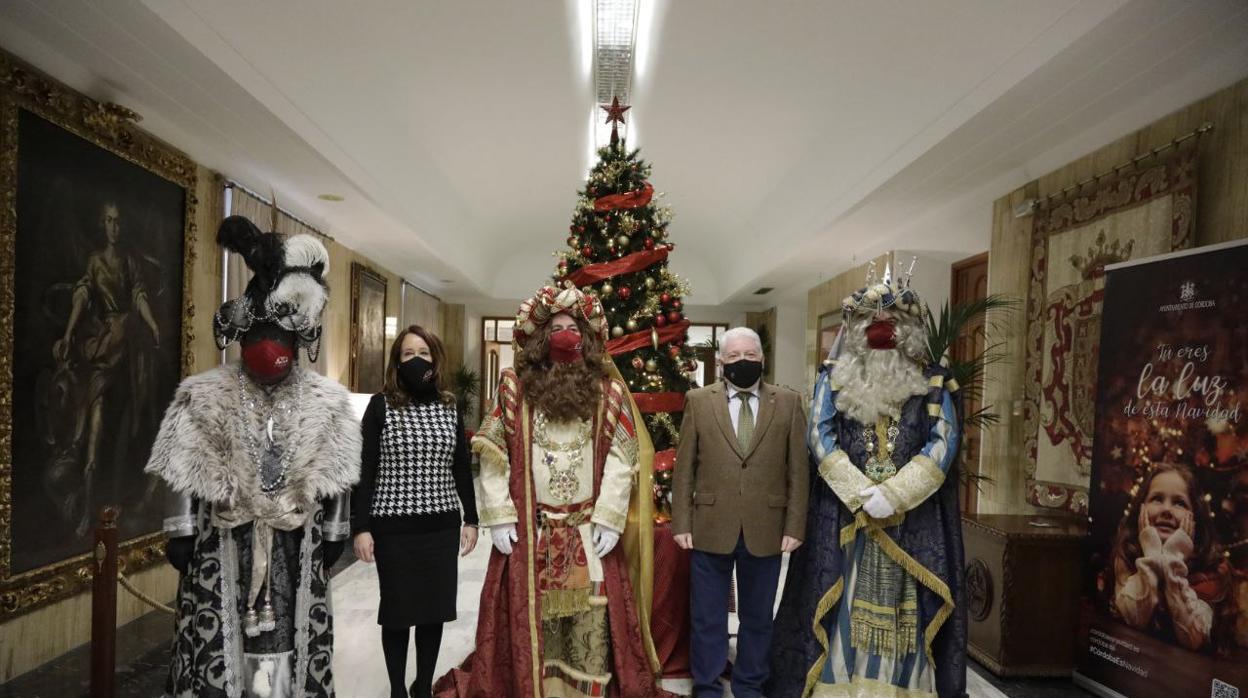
201, 452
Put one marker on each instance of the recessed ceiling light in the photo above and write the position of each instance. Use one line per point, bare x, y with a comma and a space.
329, 197
764, 291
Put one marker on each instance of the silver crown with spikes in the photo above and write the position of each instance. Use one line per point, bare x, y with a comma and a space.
884, 293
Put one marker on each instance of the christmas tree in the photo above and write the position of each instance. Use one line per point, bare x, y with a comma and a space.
618, 249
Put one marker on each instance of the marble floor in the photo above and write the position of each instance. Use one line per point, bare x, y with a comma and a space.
359, 670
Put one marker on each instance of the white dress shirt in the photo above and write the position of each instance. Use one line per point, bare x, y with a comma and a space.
734, 404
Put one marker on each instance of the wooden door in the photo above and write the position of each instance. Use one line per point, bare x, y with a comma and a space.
970, 282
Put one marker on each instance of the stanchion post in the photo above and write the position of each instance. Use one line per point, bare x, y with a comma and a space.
104, 607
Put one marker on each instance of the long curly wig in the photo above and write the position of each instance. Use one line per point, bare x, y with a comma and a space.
562, 391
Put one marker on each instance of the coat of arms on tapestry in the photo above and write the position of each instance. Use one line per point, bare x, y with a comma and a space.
1139, 212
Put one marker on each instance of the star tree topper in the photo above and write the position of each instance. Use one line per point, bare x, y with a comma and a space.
615, 114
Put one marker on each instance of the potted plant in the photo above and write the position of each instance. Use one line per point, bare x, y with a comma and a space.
943, 331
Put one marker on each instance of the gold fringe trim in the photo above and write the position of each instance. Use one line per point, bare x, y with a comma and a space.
531, 548
935, 381
883, 641
825, 606
921, 574
561, 603
952, 385
933, 409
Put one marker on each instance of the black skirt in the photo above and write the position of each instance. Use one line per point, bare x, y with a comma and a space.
418, 573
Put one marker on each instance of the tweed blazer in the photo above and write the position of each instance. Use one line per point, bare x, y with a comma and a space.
720, 490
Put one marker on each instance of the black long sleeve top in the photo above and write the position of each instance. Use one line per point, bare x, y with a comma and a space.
372, 425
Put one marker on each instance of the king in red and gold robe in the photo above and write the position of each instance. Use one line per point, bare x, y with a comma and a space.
556, 621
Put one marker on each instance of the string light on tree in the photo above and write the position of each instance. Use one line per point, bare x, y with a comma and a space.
617, 232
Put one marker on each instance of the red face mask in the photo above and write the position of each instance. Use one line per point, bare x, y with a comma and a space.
882, 334
268, 360
565, 346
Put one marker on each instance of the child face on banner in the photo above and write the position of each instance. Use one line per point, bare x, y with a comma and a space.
1168, 505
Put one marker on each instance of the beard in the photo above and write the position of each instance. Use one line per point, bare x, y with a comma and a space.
873, 383
564, 392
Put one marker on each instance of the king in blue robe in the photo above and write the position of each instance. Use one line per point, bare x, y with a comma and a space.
873, 603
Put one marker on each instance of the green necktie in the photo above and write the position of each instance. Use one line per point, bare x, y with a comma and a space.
745, 421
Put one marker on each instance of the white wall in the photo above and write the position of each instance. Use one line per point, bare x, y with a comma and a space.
790, 346
931, 275
731, 315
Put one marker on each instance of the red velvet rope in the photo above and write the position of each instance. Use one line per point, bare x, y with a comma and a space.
659, 402
640, 339
627, 264
629, 199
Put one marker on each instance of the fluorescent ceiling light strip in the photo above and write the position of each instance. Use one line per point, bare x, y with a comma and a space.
614, 42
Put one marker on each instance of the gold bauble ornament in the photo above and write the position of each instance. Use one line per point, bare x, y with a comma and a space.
617, 331
650, 282
607, 289
621, 240
652, 365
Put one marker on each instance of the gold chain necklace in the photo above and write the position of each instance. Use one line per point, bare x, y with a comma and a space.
564, 482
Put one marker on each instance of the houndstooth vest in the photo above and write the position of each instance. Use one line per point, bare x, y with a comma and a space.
414, 472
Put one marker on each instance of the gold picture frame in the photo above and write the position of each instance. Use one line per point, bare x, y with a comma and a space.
368, 328
110, 128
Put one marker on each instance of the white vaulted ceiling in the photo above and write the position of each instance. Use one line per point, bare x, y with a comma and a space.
791, 138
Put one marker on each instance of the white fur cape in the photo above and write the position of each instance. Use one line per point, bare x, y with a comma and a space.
200, 449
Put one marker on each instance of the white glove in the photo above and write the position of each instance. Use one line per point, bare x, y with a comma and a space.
604, 539
504, 535
875, 503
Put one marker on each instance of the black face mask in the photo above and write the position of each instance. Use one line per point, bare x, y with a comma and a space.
417, 375
743, 373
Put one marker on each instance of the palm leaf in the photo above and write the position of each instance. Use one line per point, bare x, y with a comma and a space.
943, 331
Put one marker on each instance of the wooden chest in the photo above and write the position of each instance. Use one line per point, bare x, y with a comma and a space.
1023, 577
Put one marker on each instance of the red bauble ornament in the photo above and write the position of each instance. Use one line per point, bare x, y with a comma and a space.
580, 228
638, 363
674, 317
665, 298
660, 320
587, 251
676, 303
673, 351
649, 243
624, 292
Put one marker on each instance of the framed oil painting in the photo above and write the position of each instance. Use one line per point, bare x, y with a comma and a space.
368, 329
96, 248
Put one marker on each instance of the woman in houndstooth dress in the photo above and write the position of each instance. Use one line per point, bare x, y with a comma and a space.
414, 480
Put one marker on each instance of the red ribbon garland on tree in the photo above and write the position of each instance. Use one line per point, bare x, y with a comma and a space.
629, 199
650, 403
637, 340
593, 273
